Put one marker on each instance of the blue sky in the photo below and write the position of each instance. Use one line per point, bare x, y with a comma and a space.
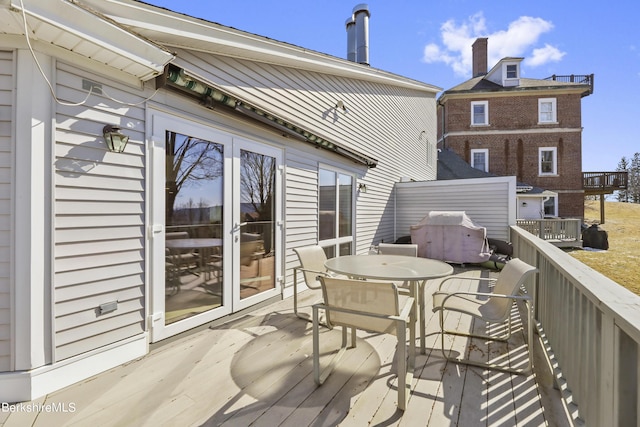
431, 42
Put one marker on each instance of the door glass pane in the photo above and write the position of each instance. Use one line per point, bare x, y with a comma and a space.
257, 230
193, 224
327, 200
346, 204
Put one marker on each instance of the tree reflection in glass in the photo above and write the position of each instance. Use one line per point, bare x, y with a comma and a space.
193, 215
257, 187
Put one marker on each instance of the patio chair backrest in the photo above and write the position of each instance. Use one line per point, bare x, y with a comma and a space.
512, 276
380, 298
312, 259
399, 249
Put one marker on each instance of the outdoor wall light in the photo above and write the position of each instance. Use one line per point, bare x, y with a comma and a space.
362, 187
116, 141
340, 106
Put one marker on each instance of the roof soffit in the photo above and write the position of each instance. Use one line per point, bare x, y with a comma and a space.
82, 31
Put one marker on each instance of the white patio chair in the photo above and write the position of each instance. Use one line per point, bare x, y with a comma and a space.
495, 307
398, 249
312, 259
370, 306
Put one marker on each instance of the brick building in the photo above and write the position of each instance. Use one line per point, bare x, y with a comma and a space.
504, 124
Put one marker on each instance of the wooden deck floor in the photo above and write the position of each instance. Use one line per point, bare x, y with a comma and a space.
257, 370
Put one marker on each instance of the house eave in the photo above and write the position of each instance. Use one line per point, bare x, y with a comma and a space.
176, 30
85, 32
513, 91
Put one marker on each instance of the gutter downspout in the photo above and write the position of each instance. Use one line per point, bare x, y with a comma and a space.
444, 144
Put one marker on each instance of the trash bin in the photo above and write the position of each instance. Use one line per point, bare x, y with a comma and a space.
595, 237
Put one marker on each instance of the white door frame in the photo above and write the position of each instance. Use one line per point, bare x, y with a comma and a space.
245, 144
158, 122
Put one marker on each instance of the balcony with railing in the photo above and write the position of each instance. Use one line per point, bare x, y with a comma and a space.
585, 79
595, 183
561, 232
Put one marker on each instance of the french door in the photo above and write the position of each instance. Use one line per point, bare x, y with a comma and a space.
216, 230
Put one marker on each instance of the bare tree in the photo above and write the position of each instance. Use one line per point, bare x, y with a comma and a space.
189, 161
257, 183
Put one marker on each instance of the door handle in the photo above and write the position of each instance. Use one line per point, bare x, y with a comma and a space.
238, 225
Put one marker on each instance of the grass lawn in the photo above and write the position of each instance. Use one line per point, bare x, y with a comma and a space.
621, 262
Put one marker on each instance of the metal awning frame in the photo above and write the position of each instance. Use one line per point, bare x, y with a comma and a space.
180, 78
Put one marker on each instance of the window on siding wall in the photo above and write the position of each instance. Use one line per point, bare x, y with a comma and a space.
480, 159
547, 110
335, 216
512, 71
548, 162
551, 206
479, 113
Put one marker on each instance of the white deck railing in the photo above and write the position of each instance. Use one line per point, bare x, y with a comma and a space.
560, 232
591, 327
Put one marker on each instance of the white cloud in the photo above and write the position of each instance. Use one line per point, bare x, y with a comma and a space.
517, 40
545, 55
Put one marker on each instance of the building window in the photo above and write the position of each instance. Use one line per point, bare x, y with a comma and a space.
479, 113
512, 71
547, 110
548, 164
480, 159
551, 207
335, 212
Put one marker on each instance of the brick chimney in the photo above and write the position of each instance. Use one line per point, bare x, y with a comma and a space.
480, 56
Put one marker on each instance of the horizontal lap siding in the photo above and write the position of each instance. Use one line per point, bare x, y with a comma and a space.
99, 248
392, 124
6, 184
301, 200
486, 201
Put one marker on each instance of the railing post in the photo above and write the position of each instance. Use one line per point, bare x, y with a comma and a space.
607, 372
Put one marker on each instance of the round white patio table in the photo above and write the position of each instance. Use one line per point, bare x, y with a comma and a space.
414, 270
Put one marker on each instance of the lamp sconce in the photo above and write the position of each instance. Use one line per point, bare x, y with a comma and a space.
340, 106
362, 187
524, 203
115, 140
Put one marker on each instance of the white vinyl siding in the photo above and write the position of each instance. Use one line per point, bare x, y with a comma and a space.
489, 202
99, 219
6, 219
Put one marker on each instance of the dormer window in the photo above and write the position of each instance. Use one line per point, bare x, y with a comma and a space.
512, 71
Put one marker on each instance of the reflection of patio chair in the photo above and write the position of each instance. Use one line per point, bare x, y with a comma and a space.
181, 261
370, 306
494, 307
250, 253
172, 273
